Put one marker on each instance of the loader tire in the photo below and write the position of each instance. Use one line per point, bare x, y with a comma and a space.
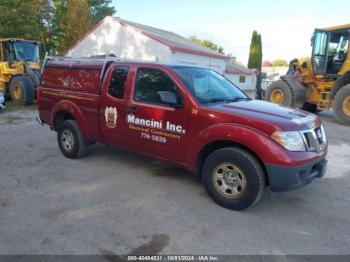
279, 92
22, 90
341, 105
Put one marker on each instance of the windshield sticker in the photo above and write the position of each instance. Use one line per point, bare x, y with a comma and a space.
111, 116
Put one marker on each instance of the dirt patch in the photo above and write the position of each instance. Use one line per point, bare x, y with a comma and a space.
10, 107
156, 245
15, 120
5, 202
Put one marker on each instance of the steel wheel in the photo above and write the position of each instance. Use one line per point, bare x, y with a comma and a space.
346, 106
277, 96
229, 180
67, 140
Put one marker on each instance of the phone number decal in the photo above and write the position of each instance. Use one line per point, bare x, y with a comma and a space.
154, 138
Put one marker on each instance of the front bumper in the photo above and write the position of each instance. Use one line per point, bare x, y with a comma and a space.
283, 178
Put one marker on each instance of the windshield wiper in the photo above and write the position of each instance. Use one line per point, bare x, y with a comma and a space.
237, 99
213, 100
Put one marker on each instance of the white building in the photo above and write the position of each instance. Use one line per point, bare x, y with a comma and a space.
130, 40
241, 76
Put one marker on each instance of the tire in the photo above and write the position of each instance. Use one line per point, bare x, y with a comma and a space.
312, 108
279, 92
70, 140
245, 166
341, 105
22, 90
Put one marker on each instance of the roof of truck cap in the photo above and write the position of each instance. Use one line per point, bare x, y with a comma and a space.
86, 64
98, 64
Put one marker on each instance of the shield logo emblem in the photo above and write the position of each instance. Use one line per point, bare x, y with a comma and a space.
111, 116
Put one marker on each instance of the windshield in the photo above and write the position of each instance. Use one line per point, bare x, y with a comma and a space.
26, 51
208, 86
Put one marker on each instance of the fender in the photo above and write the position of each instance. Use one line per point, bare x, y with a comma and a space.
339, 83
253, 139
74, 110
298, 89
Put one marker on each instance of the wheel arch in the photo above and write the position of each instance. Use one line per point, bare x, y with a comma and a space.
217, 144
66, 110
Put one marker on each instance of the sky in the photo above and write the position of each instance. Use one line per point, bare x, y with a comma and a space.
285, 26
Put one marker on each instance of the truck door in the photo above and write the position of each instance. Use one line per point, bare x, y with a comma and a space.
154, 126
112, 105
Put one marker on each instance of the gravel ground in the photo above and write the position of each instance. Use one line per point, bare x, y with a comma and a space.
116, 202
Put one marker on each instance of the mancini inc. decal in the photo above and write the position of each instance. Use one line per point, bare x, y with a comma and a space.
168, 126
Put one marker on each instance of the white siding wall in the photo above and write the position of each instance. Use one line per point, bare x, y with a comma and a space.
250, 81
180, 58
123, 41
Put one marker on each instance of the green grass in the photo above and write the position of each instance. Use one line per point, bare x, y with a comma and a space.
10, 106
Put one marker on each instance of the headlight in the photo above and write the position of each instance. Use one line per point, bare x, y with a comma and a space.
291, 140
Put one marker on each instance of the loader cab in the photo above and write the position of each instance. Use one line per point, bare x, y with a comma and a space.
14, 50
330, 51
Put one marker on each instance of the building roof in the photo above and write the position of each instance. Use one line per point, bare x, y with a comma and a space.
233, 67
174, 41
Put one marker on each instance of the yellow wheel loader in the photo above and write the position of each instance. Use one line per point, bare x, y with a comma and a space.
19, 70
321, 83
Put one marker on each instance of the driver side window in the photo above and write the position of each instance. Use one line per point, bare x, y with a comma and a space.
149, 82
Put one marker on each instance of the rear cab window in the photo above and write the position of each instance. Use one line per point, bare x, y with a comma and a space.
117, 82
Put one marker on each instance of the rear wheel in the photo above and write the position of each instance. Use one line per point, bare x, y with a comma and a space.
70, 139
280, 93
233, 178
21, 90
341, 105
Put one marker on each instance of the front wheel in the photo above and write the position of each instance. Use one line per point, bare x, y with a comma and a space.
233, 178
279, 92
22, 90
70, 139
341, 105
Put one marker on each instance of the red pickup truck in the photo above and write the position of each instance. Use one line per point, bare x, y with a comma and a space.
192, 117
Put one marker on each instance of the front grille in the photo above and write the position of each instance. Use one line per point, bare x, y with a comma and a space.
315, 139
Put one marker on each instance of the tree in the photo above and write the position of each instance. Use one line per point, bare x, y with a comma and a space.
57, 24
100, 9
267, 63
28, 20
279, 63
255, 54
73, 20
208, 44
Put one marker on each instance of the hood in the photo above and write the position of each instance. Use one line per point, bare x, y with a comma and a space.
269, 117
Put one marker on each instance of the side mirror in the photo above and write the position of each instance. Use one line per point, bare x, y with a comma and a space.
168, 98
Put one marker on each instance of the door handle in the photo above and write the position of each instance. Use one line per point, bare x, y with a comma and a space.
132, 110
